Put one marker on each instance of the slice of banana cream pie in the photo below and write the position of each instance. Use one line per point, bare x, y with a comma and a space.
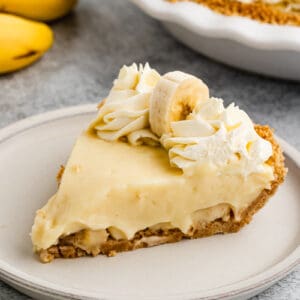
163, 161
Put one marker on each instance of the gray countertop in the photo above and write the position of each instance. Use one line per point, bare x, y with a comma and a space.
91, 45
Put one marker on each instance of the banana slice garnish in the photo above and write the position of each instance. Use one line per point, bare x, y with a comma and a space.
175, 96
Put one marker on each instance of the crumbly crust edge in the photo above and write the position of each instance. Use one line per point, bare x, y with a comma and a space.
66, 248
263, 12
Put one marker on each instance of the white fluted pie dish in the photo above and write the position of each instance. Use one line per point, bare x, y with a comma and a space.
237, 41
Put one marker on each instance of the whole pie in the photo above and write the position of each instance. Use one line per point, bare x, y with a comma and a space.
163, 161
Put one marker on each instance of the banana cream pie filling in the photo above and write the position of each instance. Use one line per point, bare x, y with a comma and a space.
162, 155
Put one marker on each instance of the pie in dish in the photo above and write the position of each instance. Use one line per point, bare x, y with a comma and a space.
162, 161
282, 12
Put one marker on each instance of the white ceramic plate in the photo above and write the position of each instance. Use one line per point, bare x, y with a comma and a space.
237, 41
234, 266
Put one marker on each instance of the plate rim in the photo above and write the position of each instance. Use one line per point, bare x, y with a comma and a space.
215, 25
30, 283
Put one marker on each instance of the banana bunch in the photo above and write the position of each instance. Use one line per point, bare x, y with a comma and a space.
175, 96
23, 41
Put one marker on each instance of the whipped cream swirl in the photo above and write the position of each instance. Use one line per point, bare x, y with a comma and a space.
217, 136
124, 114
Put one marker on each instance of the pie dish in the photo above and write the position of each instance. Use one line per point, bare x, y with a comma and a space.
237, 41
281, 12
162, 161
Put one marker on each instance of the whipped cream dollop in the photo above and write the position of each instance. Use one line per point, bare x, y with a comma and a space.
124, 114
212, 135
217, 136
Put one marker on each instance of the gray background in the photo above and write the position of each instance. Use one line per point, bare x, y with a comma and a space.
91, 45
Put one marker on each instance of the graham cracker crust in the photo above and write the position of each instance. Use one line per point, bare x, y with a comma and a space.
148, 237
260, 11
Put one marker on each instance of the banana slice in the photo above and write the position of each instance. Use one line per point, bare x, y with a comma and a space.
175, 96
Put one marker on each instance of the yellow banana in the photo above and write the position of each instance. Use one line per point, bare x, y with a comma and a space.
42, 10
22, 42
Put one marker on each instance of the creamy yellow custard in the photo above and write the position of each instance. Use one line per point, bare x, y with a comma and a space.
130, 188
